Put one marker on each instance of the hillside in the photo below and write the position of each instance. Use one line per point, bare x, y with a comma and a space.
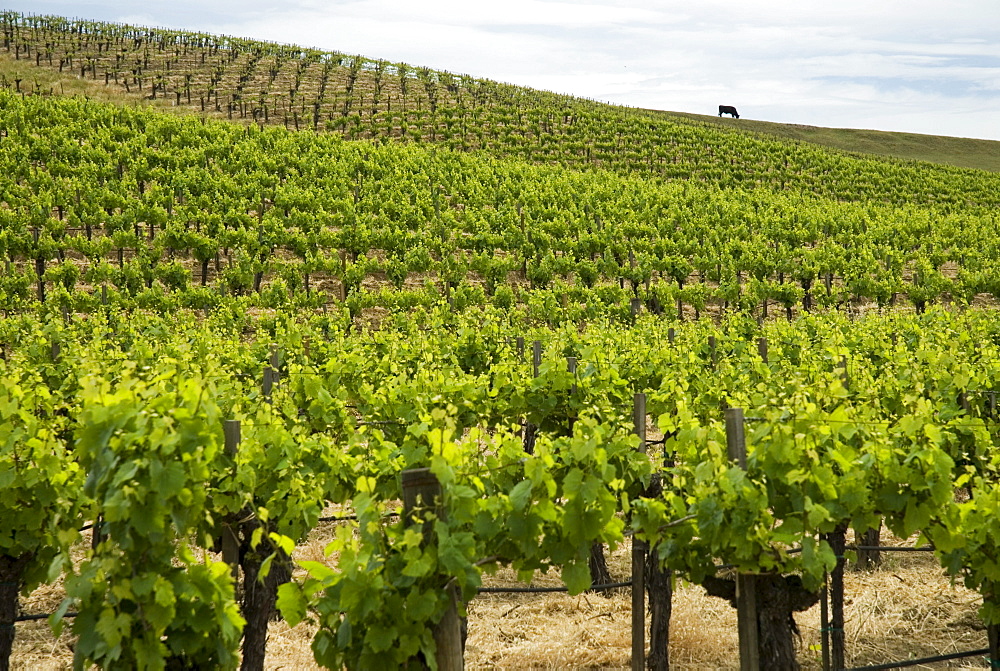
250, 290
361, 98
168, 211
953, 151
957, 151
416, 186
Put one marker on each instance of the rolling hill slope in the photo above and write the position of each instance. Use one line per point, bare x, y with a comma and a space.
289, 176
361, 98
956, 151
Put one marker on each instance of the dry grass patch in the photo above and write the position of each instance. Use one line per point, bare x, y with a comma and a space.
549, 631
907, 609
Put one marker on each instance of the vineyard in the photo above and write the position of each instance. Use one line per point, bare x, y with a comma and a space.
441, 313
159, 212
851, 422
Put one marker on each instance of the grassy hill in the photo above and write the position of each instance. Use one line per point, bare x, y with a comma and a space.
258, 82
283, 170
956, 151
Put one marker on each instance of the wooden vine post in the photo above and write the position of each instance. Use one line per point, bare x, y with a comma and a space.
271, 374
658, 580
230, 541
39, 267
838, 543
571, 369
836, 622
422, 491
746, 583
824, 623
267, 383
530, 430
993, 634
639, 550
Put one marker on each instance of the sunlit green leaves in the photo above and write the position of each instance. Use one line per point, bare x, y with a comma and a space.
154, 440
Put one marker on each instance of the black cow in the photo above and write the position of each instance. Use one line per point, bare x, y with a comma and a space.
728, 109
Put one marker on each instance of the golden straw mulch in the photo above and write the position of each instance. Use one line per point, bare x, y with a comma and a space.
906, 609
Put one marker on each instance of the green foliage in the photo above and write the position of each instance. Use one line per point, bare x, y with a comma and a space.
144, 600
41, 496
639, 207
540, 511
372, 215
963, 535
64, 274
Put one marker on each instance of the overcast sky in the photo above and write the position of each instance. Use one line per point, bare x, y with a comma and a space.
922, 66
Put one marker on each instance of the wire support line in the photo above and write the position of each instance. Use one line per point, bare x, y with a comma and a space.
351, 518
919, 662
890, 548
820, 421
880, 548
886, 423
546, 590
40, 616
663, 527
496, 469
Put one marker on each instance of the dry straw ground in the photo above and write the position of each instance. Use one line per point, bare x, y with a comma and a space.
907, 609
